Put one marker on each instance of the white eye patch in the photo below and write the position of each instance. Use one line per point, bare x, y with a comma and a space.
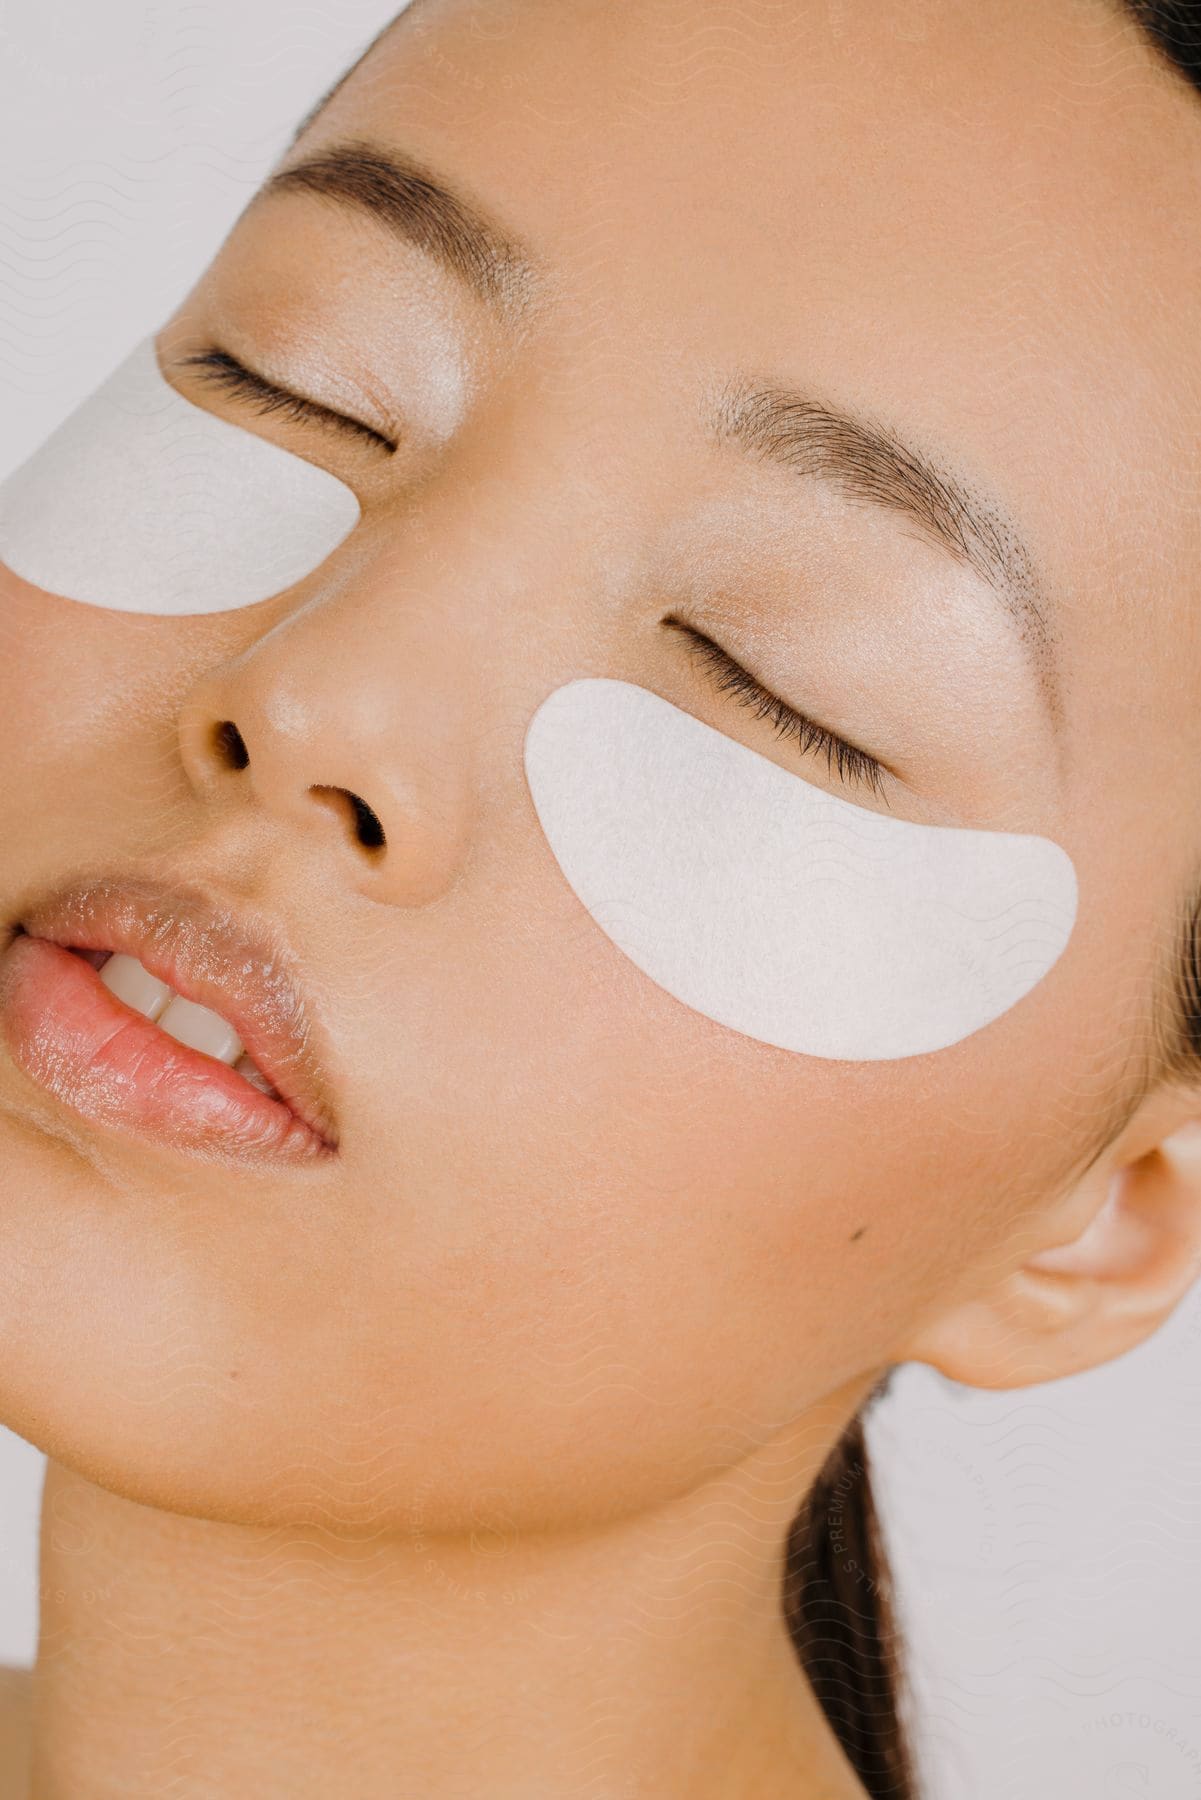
143, 502
778, 909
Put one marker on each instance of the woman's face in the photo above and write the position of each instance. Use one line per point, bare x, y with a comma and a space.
581, 1244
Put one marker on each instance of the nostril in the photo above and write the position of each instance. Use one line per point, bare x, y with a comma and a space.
367, 828
230, 745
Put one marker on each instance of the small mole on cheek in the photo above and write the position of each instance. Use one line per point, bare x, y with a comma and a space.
857, 1234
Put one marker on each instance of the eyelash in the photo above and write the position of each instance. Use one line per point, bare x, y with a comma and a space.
853, 764
226, 371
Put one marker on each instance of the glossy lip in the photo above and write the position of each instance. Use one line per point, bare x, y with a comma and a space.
206, 954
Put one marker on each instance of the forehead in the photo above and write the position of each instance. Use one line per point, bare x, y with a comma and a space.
982, 221
917, 187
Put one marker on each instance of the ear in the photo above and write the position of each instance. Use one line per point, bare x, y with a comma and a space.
1090, 1277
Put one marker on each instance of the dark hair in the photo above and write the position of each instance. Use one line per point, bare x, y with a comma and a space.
838, 1604
1174, 27
837, 1589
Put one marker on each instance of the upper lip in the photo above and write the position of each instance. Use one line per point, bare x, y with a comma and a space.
202, 950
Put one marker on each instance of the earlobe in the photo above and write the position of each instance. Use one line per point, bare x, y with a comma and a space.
1116, 1257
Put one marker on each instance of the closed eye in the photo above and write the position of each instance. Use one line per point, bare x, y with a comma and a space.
226, 371
853, 764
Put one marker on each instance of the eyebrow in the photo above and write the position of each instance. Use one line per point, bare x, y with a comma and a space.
399, 192
870, 463
867, 461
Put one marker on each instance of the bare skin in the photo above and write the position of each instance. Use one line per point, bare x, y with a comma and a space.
466, 1462
15, 1723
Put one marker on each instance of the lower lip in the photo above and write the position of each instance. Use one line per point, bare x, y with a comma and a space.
107, 1063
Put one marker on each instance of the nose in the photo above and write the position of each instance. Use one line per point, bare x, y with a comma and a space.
229, 744
342, 732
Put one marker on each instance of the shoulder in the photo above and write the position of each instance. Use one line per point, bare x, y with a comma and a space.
14, 1732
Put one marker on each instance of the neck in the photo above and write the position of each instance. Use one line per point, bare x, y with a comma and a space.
645, 1656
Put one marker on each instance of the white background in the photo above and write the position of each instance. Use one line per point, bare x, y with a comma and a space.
1047, 1542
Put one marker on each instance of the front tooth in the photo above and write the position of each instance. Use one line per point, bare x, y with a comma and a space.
255, 1076
125, 977
201, 1029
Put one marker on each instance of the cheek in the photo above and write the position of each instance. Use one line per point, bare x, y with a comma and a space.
600, 1251
75, 688
90, 701
67, 668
